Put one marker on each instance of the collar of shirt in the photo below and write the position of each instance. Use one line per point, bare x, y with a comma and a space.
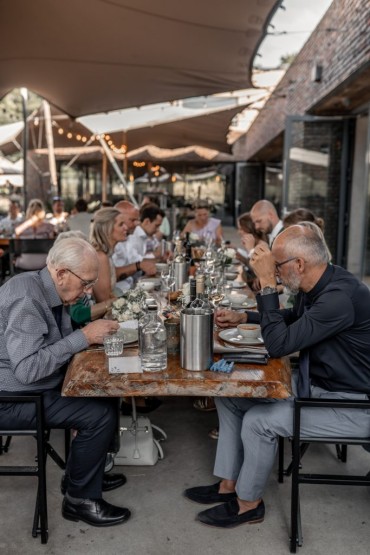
275, 232
326, 277
139, 232
51, 296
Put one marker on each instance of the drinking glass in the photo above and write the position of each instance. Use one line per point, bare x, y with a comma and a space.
113, 344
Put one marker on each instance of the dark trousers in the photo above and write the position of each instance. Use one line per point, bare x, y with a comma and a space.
95, 421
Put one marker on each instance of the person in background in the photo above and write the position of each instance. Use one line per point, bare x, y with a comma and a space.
81, 219
249, 236
302, 215
266, 219
58, 217
35, 226
13, 219
33, 315
202, 226
107, 230
134, 250
165, 228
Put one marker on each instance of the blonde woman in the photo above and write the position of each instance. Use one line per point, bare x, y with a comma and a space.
108, 228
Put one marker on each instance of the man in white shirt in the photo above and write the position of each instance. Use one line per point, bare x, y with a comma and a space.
129, 256
266, 219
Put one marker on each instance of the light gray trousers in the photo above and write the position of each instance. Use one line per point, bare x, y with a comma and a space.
249, 430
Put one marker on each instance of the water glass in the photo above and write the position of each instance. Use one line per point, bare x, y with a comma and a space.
113, 345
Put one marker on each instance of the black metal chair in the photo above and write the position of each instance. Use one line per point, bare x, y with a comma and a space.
27, 246
42, 435
299, 446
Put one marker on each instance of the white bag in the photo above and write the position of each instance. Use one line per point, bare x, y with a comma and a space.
138, 444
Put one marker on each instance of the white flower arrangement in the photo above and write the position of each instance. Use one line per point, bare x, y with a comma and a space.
227, 256
130, 306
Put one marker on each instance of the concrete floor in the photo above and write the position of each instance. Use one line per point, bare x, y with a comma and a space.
335, 519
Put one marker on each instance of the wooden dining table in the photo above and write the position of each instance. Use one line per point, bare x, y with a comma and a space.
88, 376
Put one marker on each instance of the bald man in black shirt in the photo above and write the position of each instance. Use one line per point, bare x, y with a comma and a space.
330, 325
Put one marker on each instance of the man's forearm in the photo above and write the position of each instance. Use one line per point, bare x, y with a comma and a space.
122, 272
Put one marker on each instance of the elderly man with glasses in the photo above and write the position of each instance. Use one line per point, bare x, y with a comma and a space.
330, 325
36, 343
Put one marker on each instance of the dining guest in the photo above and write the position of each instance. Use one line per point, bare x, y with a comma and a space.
249, 236
58, 216
107, 230
266, 220
35, 226
85, 309
330, 325
302, 215
133, 252
36, 343
81, 219
13, 219
202, 225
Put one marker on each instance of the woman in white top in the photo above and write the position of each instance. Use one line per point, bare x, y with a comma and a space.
202, 226
108, 228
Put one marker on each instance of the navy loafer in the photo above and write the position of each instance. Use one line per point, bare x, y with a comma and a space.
226, 515
208, 494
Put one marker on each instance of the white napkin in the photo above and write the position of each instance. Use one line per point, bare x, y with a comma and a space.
218, 348
125, 365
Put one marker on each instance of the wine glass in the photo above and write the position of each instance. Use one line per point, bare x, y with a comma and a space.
168, 281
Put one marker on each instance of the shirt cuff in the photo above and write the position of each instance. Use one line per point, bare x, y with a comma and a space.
77, 341
267, 302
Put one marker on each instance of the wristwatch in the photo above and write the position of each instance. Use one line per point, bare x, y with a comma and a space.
268, 290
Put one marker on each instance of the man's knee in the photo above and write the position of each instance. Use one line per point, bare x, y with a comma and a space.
268, 420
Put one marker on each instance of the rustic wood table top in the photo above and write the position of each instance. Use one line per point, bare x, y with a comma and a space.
88, 376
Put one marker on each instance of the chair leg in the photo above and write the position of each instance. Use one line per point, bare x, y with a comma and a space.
281, 460
303, 448
341, 452
4, 447
40, 524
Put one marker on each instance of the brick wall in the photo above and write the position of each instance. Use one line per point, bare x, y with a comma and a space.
341, 45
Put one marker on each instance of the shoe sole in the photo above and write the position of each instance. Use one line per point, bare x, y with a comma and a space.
74, 518
229, 527
207, 502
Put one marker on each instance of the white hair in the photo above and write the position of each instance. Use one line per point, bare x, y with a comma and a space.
72, 253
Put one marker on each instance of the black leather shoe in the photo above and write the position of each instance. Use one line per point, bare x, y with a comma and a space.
110, 481
208, 494
96, 512
226, 515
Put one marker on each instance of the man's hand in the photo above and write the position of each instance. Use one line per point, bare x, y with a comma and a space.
148, 267
262, 263
95, 331
229, 318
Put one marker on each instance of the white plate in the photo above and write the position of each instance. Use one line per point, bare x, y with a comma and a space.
233, 336
249, 303
238, 284
130, 334
155, 280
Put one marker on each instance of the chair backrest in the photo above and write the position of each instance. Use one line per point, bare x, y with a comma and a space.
36, 246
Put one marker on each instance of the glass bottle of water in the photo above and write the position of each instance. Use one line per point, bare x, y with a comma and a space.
153, 343
144, 319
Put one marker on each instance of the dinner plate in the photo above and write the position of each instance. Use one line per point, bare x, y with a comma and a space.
249, 303
130, 335
233, 336
238, 284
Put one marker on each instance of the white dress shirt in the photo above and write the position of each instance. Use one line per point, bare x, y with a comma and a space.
128, 252
272, 236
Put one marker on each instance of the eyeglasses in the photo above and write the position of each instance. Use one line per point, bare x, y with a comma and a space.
85, 284
279, 264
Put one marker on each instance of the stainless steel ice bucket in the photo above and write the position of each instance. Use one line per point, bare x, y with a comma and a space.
181, 274
196, 338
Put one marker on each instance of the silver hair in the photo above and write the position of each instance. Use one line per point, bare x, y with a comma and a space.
71, 253
317, 229
309, 244
75, 233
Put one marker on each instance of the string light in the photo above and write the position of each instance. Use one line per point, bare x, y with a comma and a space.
138, 164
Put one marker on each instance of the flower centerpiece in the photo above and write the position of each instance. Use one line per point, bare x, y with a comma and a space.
226, 256
130, 306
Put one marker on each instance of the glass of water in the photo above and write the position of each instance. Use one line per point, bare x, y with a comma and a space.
113, 345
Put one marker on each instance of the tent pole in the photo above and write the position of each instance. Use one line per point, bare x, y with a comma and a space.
120, 175
24, 96
50, 145
104, 178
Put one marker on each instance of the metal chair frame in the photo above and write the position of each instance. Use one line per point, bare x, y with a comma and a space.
27, 246
299, 446
42, 436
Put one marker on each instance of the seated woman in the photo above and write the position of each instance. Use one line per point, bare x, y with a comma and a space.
34, 227
204, 227
249, 236
108, 228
